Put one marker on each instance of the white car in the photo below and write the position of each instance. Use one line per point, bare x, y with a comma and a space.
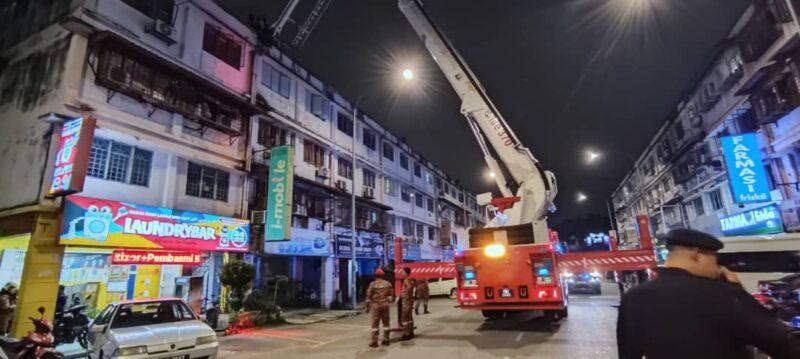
443, 286
151, 328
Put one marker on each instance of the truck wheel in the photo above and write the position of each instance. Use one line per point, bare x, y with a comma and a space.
552, 315
492, 314
453, 293
563, 313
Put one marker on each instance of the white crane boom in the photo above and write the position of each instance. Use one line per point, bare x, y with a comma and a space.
535, 187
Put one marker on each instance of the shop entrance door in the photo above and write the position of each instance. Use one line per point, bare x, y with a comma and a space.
309, 289
343, 280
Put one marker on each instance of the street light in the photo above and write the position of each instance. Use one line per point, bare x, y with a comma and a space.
408, 74
592, 156
581, 197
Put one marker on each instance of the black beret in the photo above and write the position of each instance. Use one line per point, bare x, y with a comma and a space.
691, 238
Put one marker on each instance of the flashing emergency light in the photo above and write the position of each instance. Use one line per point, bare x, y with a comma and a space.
494, 250
469, 275
544, 272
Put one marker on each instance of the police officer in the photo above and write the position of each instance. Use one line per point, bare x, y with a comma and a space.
697, 309
380, 295
407, 297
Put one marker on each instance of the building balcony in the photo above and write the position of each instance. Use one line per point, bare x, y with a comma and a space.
707, 100
684, 144
776, 100
759, 34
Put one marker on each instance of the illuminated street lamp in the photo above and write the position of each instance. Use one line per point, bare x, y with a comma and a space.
581, 197
408, 74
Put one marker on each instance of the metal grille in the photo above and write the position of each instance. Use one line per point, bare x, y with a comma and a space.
118, 162
193, 179
98, 157
207, 182
140, 171
222, 186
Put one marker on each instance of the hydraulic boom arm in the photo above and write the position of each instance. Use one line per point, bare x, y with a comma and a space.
528, 180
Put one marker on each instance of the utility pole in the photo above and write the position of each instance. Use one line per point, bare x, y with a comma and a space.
353, 210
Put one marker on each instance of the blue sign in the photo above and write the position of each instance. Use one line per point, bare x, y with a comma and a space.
368, 244
302, 242
760, 221
411, 251
745, 169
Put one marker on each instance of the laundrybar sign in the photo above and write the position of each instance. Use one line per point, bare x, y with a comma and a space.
98, 222
72, 157
134, 256
279, 194
745, 170
764, 220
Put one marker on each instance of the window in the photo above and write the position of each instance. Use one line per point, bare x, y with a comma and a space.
419, 200
420, 230
461, 197
155, 9
151, 313
388, 151
404, 161
344, 123
438, 183
207, 182
270, 135
115, 161
716, 199
275, 80
369, 139
430, 204
417, 170
313, 154
345, 168
679, 132
432, 233
369, 178
697, 206
428, 178
318, 105
223, 46
405, 195
408, 227
389, 187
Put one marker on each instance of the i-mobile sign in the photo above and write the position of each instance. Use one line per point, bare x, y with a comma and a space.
72, 157
279, 194
745, 169
131, 256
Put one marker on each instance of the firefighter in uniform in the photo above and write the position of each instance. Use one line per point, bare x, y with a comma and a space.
407, 298
380, 295
423, 294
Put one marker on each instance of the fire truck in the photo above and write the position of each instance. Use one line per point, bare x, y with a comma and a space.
511, 264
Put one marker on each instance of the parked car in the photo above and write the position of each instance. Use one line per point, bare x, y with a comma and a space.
583, 283
150, 328
443, 286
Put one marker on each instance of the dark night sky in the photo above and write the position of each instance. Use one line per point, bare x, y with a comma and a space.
566, 75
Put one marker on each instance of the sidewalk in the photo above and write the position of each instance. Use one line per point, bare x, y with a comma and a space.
318, 315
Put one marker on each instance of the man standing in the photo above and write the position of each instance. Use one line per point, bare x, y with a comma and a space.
422, 294
8, 303
407, 297
697, 309
380, 295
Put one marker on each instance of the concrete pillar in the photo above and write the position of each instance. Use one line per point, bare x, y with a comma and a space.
40, 275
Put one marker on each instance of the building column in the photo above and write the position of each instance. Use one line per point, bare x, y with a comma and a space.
40, 275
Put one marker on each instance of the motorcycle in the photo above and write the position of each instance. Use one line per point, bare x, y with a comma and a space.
37, 344
71, 325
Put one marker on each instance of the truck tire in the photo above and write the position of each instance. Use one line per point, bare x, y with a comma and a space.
563, 313
492, 314
453, 293
552, 315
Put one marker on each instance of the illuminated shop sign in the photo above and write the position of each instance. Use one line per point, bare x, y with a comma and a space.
279, 194
99, 222
303, 242
764, 220
72, 157
745, 169
133, 256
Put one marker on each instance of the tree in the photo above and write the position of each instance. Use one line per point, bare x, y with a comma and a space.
237, 276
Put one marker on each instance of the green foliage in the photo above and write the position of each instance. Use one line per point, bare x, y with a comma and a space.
237, 276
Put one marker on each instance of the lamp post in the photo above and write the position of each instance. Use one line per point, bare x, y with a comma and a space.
353, 238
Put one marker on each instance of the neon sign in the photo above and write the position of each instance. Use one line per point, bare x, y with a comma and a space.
745, 169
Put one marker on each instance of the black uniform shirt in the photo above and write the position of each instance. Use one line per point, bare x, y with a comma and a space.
680, 315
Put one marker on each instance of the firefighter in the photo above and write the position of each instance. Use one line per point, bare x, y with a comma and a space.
422, 294
380, 295
407, 297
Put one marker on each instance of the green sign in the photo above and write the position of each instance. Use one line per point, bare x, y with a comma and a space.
279, 194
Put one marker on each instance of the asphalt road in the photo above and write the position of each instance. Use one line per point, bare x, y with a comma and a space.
447, 332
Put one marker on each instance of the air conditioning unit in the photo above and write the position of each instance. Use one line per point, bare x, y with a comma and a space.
341, 185
162, 30
369, 192
258, 217
321, 172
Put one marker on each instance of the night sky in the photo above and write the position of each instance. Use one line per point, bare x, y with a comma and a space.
566, 74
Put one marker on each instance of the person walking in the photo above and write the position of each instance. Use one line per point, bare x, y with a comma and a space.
697, 309
422, 292
407, 296
8, 303
380, 295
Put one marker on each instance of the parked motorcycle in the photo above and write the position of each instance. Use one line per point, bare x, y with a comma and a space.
37, 344
72, 325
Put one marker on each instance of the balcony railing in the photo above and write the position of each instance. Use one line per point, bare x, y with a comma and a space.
776, 100
690, 137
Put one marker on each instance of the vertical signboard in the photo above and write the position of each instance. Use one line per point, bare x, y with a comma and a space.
72, 157
745, 169
279, 194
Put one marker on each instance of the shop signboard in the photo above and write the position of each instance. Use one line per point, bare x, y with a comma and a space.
279, 194
72, 157
759, 221
430, 252
105, 223
368, 244
411, 251
746, 172
303, 242
138, 256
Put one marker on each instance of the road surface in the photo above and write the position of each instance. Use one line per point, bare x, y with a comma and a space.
447, 332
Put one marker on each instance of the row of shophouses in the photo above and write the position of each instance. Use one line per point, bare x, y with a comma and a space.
726, 160
188, 104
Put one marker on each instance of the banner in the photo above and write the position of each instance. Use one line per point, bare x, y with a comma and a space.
745, 169
764, 220
133, 256
279, 194
72, 158
368, 244
303, 242
99, 222
411, 251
